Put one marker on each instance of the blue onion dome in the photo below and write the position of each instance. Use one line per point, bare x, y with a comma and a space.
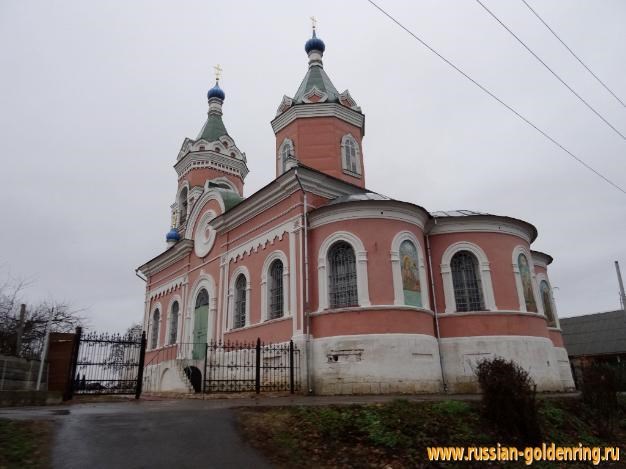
216, 92
315, 43
172, 235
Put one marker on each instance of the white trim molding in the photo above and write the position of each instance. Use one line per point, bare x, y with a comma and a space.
375, 209
242, 269
396, 268
318, 110
361, 268
517, 250
482, 224
276, 255
484, 272
204, 234
168, 287
197, 209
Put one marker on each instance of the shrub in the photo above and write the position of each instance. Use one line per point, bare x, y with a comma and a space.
599, 389
509, 399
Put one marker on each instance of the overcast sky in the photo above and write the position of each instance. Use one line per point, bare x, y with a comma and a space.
97, 97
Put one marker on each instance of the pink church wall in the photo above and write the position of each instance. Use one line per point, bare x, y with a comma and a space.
376, 236
556, 338
372, 321
499, 251
485, 324
317, 142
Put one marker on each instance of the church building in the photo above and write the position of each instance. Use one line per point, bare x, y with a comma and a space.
379, 295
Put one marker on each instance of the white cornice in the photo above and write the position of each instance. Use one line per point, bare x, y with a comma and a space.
541, 259
379, 209
167, 287
318, 110
481, 224
261, 241
167, 258
211, 159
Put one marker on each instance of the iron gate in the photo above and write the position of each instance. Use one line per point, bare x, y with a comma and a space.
105, 363
251, 367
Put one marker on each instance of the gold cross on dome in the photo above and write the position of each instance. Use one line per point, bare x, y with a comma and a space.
218, 72
313, 22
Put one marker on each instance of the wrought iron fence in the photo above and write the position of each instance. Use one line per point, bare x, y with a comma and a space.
223, 367
108, 363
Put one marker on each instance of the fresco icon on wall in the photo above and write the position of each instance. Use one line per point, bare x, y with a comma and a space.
527, 285
410, 274
547, 302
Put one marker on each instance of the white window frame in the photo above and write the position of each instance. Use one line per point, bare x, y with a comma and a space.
517, 250
168, 324
540, 278
397, 271
158, 325
483, 270
265, 285
242, 269
281, 161
344, 161
179, 205
361, 268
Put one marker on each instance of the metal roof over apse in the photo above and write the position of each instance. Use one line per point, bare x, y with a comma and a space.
595, 334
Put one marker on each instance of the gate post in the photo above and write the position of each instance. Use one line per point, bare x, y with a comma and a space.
69, 390
206, 355
291, 383
258, 365
142, 358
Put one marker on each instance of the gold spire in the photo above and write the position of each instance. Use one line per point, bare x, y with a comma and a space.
218, 72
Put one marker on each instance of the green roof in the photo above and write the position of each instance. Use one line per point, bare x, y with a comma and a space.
213, 128
316, 77
229, 197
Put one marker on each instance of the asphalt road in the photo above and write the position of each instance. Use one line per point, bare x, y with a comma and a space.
166, 434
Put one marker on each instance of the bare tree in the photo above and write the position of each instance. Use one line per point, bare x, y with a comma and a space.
64, 319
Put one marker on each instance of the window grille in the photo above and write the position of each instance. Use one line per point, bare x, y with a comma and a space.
174, 323
154, 339
467, 287
350, 156
183, 205
202, 299
239, 319
286, 152
276, 289
342, 280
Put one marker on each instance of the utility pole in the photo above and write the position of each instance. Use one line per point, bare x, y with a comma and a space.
20, 330
622, 295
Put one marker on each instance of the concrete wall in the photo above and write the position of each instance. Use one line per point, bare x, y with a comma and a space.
20, 374
375, 364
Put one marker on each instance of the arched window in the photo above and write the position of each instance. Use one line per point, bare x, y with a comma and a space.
182, 205
276, 299
409, 268
174, 323
350, 155
239, 317
466, 282
527, 285
342, 279
285, 151
156, 319
546, 297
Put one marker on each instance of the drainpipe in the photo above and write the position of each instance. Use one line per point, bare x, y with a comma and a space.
434, 295
307, 316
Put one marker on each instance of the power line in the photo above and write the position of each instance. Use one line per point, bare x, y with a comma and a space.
550, 70
572, 52
597, 173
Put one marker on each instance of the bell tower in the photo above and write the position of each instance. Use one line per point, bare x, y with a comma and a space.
320, 127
